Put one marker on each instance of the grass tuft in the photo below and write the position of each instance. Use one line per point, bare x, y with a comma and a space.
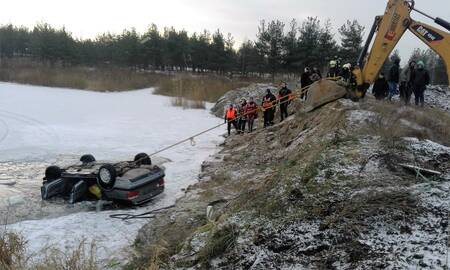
12, 251
219, 242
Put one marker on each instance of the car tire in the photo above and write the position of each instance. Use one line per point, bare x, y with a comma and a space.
107, 177
143, 159
87, 158
52, 173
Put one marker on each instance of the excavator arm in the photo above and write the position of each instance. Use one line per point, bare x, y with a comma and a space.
388, 29
386, 32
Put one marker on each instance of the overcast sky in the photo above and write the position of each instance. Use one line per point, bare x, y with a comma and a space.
87, 18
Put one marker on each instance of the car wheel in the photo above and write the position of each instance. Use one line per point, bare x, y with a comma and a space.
143, 159
107, 176
87, 158
52, 173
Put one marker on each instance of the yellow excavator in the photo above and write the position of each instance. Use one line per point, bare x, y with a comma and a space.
387, 29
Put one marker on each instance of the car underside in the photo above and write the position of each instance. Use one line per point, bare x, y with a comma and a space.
126, 182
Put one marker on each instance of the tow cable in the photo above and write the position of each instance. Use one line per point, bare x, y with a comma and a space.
151, 214
145, 215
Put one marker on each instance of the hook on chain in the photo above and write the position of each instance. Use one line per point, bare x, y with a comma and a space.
193, 143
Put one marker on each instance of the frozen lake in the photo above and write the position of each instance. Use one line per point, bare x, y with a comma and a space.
40, 126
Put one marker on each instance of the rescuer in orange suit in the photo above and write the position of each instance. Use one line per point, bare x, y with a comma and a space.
231, 118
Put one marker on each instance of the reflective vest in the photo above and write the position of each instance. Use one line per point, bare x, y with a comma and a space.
231, 113
267, 103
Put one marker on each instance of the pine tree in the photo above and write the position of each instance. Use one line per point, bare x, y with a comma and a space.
291, 47
352, 38
270, 44
327, 45
309, 41
153, 48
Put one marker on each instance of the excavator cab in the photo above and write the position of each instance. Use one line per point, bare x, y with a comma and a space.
384, 35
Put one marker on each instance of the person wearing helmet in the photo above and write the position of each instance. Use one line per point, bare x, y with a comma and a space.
346, 72
394, 78
419, 83
333, 71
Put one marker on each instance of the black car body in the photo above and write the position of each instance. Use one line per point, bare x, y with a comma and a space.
131, 182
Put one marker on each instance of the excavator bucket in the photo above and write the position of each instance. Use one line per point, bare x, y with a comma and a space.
322, 92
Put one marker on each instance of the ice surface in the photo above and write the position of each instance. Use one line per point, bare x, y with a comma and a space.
41, 125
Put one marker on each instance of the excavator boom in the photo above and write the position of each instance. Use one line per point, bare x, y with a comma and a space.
386, 32
388, 29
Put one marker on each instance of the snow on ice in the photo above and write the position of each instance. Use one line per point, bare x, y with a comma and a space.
40, 126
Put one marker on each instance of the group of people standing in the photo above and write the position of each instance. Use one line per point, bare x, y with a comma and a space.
244, 115
413, 79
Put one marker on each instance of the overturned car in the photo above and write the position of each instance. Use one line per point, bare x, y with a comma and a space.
130, 182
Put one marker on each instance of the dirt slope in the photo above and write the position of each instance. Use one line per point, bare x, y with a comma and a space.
323, 190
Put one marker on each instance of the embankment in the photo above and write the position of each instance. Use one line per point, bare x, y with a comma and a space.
323, 190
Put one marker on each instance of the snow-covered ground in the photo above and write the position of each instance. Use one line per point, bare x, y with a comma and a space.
40, 126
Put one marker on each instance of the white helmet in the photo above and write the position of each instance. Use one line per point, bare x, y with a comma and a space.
348, 66
333, 63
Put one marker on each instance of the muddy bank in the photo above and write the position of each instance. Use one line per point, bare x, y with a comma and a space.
321, 190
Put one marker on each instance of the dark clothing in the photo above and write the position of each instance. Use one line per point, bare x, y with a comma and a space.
235, 125
345, 74
266, 116
241, 125
269, 112
419, 84
284, 111
250, 125
305, 80
242, 117
333, 72
380, 88
419, 97
394, 73
315, 77
421, 78
318, 73
284, 96
251, 114
230, 118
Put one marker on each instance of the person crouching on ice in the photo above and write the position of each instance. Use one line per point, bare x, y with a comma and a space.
231, 118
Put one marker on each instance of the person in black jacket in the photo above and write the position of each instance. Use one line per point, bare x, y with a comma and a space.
268, 104
419, 83
394, 78
305, 80
380, 88
317, 71
284, 95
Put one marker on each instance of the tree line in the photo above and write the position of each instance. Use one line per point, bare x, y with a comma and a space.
277, 48
274, 50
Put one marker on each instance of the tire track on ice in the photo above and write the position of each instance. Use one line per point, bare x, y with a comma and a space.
43, 127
